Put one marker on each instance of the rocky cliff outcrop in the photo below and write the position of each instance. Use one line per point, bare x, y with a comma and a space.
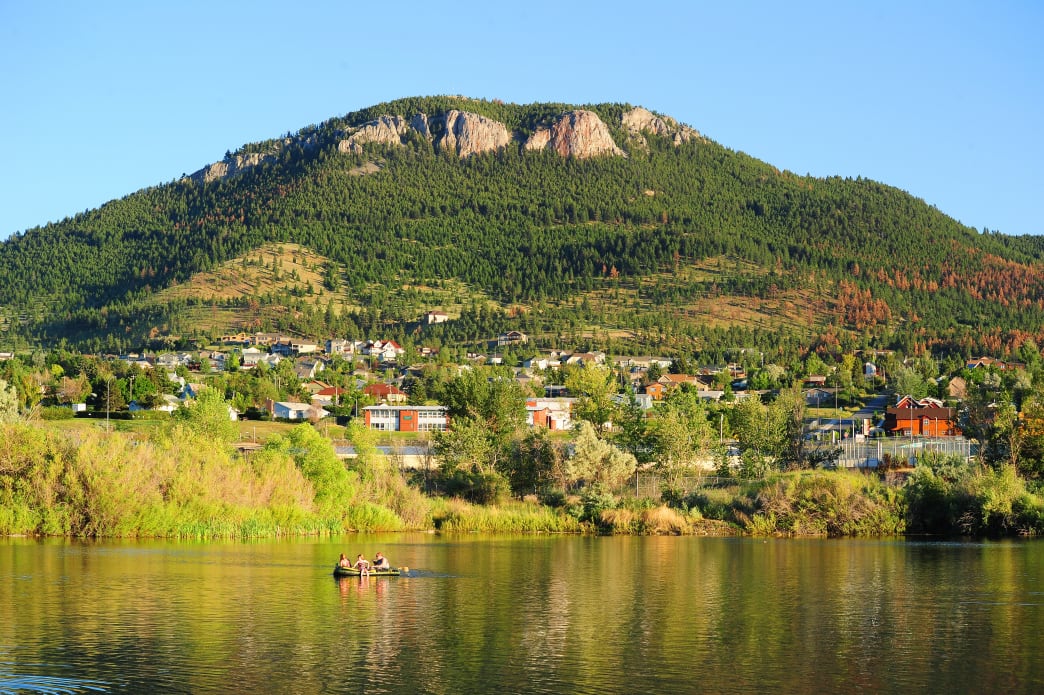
234, 164
468, 133
579, 134
386, 130
231, 165
459, 131
638, 121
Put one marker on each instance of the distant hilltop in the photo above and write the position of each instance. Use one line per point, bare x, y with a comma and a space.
577, 133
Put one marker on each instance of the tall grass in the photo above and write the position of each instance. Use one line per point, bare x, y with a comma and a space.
180, 483
818, 503
176, 484
655, 521
514, 517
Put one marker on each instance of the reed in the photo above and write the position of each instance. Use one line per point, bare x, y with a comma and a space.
818, 503
513, 517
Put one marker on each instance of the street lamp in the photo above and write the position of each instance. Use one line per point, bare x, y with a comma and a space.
107, 391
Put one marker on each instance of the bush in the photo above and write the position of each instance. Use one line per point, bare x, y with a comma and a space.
596, 499
476, 487
553, 498
827, 504
57, 413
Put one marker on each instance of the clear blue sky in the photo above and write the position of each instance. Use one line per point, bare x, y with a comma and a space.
942, 99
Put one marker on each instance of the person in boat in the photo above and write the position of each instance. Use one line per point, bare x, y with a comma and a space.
362, 564
344, 561
380, 562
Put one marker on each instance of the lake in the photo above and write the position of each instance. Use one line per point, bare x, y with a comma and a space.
532, 614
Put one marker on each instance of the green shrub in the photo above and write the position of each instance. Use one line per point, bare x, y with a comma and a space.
596, 499
822, 503
56, 413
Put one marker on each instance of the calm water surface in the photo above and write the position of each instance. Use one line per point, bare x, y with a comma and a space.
526, 615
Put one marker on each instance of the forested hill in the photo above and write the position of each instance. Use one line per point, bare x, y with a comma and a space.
601, 223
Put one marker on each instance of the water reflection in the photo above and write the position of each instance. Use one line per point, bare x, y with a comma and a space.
527, 615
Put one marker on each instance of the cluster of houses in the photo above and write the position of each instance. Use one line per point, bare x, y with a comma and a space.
553, 410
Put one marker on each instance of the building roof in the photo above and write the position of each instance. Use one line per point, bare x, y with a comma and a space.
383, 390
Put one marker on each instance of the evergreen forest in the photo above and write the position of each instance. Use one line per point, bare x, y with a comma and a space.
684, 248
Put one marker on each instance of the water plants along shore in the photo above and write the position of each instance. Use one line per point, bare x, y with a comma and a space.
184, 481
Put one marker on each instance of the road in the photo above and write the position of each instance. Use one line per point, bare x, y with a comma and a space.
876, 404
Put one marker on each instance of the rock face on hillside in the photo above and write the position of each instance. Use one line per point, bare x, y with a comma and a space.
231, 165
638, 121
386, 130
459, 131
468, 133
579, 134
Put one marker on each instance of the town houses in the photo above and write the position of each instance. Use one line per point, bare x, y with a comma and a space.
396, 388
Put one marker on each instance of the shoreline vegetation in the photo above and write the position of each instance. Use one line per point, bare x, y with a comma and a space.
185, 480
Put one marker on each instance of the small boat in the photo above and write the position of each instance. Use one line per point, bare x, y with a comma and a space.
352, 572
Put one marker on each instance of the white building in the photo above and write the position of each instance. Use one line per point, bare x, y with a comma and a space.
407, 418
297, 411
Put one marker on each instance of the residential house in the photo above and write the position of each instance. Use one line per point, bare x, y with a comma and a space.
643, 362
211, 360
656, 390
296, 411
289, 347
340, 346
250, 356
512, 338
585, 359
433, 317
644, 400
330, 395
554, 414
383, 350
268, 339
270, 361
980, 362
173, 378
528, 382
307, 369
192, 391
927, 417
173, 360
314, 386
386, 393
168, 405
818, 397
535, 363
237, 339
957, 388
407, 418
663, 386
138, 361
673, 381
